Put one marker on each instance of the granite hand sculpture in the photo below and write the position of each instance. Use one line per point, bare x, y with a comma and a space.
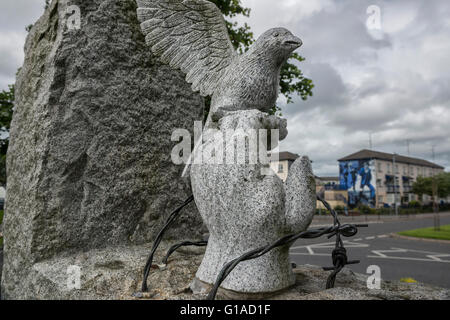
242, 208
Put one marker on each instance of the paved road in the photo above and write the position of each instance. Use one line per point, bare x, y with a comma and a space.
424, 261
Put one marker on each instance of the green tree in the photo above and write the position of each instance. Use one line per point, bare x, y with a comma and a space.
241, 36
443, 183
6, 112
424, 185
292, 80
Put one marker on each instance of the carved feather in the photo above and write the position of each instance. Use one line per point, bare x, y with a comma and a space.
190, 35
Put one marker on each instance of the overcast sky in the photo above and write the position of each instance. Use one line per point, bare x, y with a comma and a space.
393, 83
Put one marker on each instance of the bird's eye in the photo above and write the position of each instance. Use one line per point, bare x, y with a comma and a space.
276, 34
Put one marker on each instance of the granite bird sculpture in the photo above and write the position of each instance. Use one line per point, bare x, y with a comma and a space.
191, 35
242, 205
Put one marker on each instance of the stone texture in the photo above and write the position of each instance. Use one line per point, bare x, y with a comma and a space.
116, 273
244, 208
89, 159
310, 284
111, 273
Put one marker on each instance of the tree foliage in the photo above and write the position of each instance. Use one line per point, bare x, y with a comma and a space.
424, 185
241, 36
292, 80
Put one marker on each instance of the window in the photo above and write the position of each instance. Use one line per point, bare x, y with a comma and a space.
280, 168
388, 167
379, 167
405, 170
396, 169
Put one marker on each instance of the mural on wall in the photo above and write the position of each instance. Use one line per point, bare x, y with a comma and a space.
358, 178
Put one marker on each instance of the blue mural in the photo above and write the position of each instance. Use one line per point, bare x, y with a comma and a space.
358, 178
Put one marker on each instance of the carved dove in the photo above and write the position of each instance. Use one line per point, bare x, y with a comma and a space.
191, 35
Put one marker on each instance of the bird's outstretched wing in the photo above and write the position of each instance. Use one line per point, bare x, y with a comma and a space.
190, 35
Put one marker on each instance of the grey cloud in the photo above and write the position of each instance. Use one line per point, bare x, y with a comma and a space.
329, 91
394, 101
15, 15
362, 84
339, 34
8, 63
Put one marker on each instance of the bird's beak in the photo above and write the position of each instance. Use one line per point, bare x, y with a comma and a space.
293, 42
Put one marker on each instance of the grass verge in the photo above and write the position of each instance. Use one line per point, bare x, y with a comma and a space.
429, 233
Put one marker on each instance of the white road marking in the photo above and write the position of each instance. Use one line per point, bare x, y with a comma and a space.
383, 236
428, 256
419, 251
380, 253
438, 256
431, 256
408, 258
309, 254
348, 244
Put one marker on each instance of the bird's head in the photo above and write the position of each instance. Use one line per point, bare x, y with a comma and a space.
278, 43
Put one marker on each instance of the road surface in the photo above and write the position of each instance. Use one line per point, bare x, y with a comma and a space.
424, 261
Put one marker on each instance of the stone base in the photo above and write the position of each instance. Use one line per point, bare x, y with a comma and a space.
310, 285
107, 274
116, 273
201, 289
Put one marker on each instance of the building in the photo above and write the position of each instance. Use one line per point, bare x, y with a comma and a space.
328, 182
328, 187
283, 164
377, 179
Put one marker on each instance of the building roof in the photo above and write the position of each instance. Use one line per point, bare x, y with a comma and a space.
282, 156
369, 154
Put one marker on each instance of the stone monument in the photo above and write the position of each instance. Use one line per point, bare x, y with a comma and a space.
243, 205
90, 177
